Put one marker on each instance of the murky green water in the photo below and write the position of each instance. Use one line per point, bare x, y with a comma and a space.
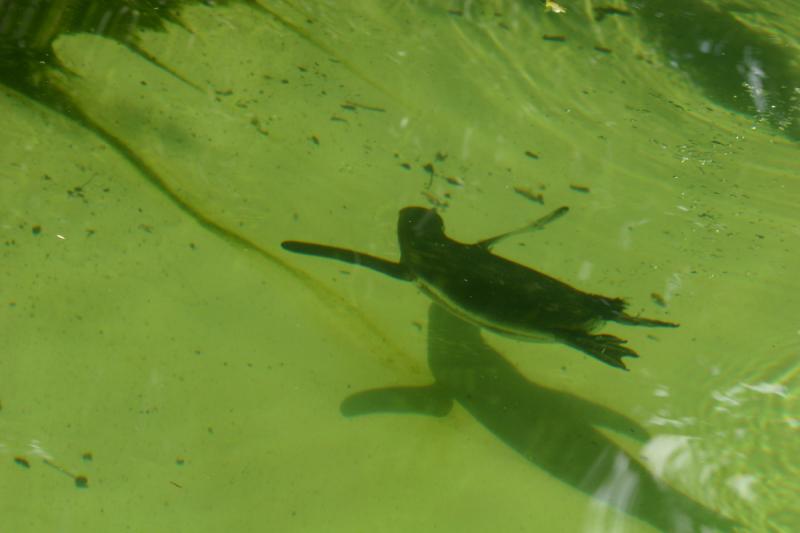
160, 348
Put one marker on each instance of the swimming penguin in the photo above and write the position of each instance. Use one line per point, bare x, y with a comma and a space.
492, 292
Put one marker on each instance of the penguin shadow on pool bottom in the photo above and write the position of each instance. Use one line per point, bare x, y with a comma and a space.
554, 430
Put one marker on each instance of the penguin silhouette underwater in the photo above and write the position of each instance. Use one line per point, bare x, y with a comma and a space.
492, 292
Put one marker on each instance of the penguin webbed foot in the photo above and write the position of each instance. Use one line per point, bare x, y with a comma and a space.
603, 347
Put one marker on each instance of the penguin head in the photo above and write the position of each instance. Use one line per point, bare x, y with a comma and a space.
418, 225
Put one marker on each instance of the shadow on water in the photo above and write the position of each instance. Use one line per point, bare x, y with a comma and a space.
553, 430
735, 66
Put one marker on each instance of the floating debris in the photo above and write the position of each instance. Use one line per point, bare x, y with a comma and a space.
658, 299
353, 106
526, 192
601, 12
255, 122
81, 481
551, 6
434, 200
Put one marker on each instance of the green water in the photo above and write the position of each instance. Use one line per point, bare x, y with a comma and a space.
158, 341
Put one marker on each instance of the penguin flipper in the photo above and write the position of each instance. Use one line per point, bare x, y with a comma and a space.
384, 266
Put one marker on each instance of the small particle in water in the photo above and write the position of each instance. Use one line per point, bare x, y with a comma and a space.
580, 188
434, 200
76, 192
255, 122
21, 461
354, 106
532, 155
530, 195
603, 11
554, 38
551, 6
36, 229
81, 481
87, 456
658, 299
